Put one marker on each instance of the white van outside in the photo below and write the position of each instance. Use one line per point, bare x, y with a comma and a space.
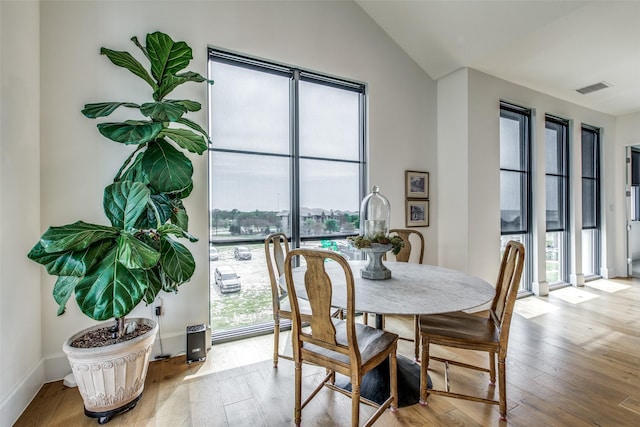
227, 279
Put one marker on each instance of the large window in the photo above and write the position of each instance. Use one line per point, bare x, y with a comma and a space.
288, 155
515, 180
590, 201
557, 200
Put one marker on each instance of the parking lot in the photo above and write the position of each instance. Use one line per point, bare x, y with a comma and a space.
253, 303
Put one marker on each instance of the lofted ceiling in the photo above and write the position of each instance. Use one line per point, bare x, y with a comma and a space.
552, 46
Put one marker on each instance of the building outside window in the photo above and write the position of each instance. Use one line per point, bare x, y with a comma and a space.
287, 156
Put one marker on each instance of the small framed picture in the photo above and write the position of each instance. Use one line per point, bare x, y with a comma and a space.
417, 185
417, 213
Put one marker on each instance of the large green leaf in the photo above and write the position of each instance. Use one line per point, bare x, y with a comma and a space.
163, 111
186, 139
167, 56
170, 82
194, 126
131, 132
176, 260
154, 286
187, 103
76, 236
177, 231
126, 60
135, 172
168, 170
167, 284
62, 290
110, 289
57, 263
134, 254
179, 217
69, 263
124, 202
184, 193
103, 109
162, 204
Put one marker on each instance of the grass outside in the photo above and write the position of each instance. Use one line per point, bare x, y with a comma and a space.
252, 305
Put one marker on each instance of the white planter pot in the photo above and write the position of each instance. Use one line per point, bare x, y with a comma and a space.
111, 378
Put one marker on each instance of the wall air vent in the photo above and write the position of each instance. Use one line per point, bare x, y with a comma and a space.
592, 88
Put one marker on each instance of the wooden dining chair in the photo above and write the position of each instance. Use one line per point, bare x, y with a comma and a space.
276, 248
340, 346
470, 332
412, 251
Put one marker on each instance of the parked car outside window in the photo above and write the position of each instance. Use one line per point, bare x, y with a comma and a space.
241, 253
213, 253
227, 279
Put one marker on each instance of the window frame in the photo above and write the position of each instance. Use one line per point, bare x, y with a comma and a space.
563, 152
297, 74
596, 179
291, 155
524, 117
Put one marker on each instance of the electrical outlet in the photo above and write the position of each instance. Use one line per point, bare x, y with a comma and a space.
159, 310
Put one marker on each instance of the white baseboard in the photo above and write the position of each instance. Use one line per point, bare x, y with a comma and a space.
540, 288
607, 273
576, 279
14, 404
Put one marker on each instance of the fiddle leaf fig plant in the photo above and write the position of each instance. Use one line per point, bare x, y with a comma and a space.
111, 269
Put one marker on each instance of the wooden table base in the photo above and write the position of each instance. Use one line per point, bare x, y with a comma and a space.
375, 384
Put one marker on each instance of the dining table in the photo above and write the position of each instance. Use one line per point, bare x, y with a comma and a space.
412, 289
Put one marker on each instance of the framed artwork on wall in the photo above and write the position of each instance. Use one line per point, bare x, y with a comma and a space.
417, 213
417, 185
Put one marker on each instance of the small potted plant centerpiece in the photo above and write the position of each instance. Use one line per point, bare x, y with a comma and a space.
374, 240
110, 269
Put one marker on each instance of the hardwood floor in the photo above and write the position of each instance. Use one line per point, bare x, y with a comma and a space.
574, 360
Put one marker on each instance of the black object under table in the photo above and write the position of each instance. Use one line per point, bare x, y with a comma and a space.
375, 384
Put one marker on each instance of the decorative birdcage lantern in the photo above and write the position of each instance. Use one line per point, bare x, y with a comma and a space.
375, 216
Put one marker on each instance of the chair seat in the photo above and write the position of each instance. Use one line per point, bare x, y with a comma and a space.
460, 326
371, 342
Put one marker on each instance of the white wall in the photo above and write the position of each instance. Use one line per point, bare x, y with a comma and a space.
627, 133
21, 368
332, 37
475, 172
452, 193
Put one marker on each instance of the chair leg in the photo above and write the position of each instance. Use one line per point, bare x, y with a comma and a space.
424, 367
332, 378
492, 368
416, 337
393, 380
297, 412
502, 379
276, 341
355, 403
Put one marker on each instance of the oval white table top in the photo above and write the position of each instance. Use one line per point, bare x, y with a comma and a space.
412, 289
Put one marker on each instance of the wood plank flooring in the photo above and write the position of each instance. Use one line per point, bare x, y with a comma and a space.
574, 360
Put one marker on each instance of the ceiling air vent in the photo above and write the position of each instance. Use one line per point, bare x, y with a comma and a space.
598, 86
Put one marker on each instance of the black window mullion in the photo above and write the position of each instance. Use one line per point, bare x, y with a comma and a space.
295, 161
